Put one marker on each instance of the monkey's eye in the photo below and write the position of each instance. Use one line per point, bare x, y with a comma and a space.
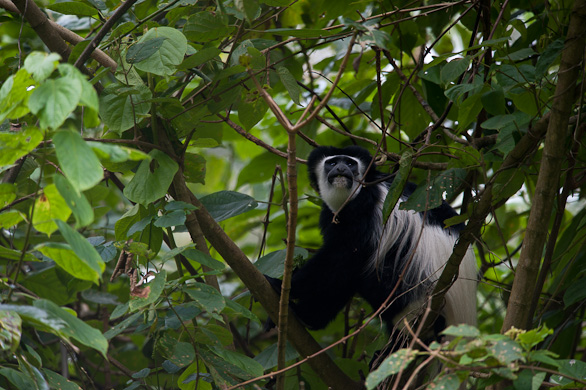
350, 163
332, 163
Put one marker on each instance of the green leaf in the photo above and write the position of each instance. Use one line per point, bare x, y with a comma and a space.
121, 106
49, 206
82, 247
14, 95
152, 179
143, 50
122, 326
549, 55
40, 65
250, 9
507, 183
116, 153
77, 202
73, 8
7, 192
172, 49
203, 259
241, 311
9, 219
468, 111
194, 168
227, 204
454, 69
251, 109
46, 316
59, 382
89, 96
398, 184
174, 218
494, 101
273, 264
74, 327
17, 378
445, 382
206, 26
13, 254
10, 331
54, 100
462, 330
506, 351
16, 145
241, 361
529, 380
290, 83
268, 356
154, 288
206, 297
391, 365
66, 258
200, 57
431, 195
575, 293
182, 354
78, 160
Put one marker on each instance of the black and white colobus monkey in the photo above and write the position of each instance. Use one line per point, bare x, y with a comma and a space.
360, 255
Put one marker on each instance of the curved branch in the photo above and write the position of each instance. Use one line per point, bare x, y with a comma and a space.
64, 33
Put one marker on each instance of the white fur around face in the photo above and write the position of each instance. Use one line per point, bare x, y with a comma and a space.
336, 194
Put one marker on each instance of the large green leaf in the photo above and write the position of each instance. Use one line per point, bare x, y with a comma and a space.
391, 365
154, 288
66, 258
163, 59
121, 107
206, 297
10, 331
227, 204
251, 109
49, 206
206, 26
16, 145
432, 195
74, 327
200, 57
398, 184
14, 95
54, 100
74, 8
40, 65
77, 202
82, 247
203, 259
78, 160
46, 316
152, 179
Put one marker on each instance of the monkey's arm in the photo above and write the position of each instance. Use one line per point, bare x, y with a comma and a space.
323, 286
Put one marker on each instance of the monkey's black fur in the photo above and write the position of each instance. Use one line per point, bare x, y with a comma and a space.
343, 266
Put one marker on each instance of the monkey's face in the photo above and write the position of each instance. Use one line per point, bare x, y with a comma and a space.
339, 179
341, 171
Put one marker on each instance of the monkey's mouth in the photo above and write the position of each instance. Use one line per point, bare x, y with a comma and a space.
341, 181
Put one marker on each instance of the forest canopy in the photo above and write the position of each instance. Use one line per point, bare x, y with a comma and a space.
153, 168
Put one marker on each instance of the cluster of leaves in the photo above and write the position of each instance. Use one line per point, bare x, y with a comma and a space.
100, 287
493, 358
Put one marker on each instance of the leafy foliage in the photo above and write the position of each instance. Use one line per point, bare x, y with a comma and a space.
107, 170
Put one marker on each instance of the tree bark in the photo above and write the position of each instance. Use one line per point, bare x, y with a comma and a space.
519, 307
